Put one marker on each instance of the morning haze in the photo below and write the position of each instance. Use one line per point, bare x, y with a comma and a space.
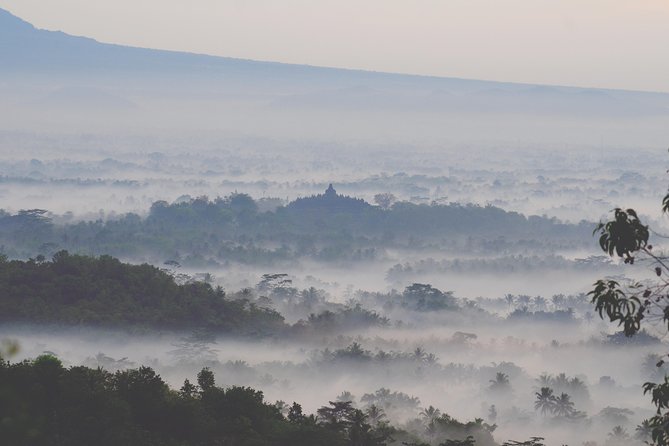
249, 248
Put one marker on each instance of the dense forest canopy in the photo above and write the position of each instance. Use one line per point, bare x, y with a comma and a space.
44, 403
74, 290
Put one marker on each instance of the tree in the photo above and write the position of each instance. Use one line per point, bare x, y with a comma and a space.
44, 403
631, 304
501, 382
644, 431
295, 414
492, 413
205, 379
353, 423
188, 390
545, 401
564, 406
429, 414
337, 415
618, 437
385, 200
375, 415
346, 396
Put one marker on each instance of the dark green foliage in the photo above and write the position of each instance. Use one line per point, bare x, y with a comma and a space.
42, 403
80, 290
465, 434
415, 297
341, 416
395, 403
624, 235
665, 203
295, 414
608, 297
350, 317
423, 297
205, 379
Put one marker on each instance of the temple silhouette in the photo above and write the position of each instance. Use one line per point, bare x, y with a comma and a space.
330, 201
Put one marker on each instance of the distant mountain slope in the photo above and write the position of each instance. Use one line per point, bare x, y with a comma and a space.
25, 48
27, 51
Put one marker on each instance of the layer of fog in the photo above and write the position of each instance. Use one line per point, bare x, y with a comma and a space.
96, 141
456, 380
95, 176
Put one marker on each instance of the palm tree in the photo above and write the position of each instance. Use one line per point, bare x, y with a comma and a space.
577, 384
430, 414
578, 388
510, 299
618, 437
357, 425
375, 414
561, 382
564, 406
501, 382
539, 303
346, 396
419, 353
558, 301
545, 400
492, 413
545, 380
524, 300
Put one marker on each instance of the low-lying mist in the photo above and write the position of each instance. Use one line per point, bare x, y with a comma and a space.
402, 369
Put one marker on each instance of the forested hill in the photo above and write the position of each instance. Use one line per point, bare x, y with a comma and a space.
324, 227
103, 292
44, 403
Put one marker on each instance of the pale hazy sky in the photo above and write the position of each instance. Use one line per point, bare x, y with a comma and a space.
599, 43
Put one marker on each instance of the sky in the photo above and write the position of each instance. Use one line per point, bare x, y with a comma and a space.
590, 43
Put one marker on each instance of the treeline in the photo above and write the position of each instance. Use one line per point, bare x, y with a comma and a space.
324, 227
81, 290
44, 403
77, 290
